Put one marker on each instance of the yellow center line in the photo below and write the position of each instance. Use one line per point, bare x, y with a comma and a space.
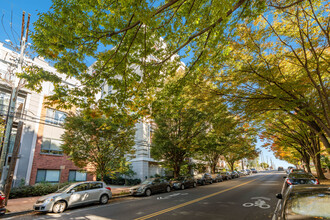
192, 201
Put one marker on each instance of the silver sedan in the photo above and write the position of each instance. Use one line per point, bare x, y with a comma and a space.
74, 195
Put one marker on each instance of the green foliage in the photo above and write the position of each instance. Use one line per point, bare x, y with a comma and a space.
179, 125
38, 189
123, 35
92, 138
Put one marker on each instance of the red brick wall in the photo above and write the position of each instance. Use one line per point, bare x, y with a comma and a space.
51, 162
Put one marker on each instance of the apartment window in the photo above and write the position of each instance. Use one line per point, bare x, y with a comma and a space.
76, 176
4, 104
51, 146
52, 176
54, 116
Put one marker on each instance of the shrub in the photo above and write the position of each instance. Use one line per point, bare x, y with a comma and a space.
38, 189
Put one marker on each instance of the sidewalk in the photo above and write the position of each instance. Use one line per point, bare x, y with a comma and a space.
26, 204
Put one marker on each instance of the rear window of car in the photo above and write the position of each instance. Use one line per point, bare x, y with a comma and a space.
96, 185
308, 205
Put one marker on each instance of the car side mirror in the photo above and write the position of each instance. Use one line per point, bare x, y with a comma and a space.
279, 196
72, 191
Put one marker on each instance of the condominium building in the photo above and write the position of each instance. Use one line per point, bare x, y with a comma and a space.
40, 157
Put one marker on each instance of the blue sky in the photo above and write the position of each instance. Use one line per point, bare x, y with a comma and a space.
11, 21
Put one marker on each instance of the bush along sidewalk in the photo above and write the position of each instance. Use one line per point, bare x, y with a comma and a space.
38, 189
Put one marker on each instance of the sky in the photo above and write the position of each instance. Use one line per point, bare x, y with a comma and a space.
10, 27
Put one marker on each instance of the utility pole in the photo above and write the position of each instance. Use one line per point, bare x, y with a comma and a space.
13, 161
14, 93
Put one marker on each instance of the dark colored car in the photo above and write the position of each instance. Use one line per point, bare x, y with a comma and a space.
150, 186
303, 202
183, 182
299, 178
254, 170
216, 178
226, 175
234, 174
203, 179
2, 203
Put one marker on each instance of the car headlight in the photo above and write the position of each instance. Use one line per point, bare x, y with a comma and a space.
51, 199
140, 189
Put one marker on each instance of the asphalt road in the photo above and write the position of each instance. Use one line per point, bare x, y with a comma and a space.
251, 197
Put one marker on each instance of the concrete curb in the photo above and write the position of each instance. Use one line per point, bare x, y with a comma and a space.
12, 214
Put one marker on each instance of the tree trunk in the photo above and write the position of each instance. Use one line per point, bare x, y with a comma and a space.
176, 170
231, 164
317, 163
213, 167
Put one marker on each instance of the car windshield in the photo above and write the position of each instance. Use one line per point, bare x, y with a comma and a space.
63, 189
309, 205
147, 181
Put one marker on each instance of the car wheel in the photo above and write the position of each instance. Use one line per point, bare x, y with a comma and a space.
59, 207
182, 186
104, 199
194, 185
147, 192
203, 183
211, 181
168, 188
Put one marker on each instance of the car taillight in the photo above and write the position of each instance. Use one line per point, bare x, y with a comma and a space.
2, 197
317, 181
108, 188
288, 182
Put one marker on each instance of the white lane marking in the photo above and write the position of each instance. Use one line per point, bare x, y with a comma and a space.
260, 202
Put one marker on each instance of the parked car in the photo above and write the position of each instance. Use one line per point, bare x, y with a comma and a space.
226, 175
216, 178
303, 202
280, 169
248, 171
234, 174
203, 179
150, 186
2, 203
253, 170
241, 173
74, 195
299, 178
183, 182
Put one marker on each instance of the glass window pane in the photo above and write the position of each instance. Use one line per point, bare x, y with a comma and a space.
72, 175
45, 144
41, 174
55, 145
81, 176
52, 175
96, 185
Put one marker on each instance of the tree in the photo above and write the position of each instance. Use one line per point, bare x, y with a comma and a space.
93, 138
280, 63
241, 148
215, 141
134, 43
293, 135
264, 165
180, 123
